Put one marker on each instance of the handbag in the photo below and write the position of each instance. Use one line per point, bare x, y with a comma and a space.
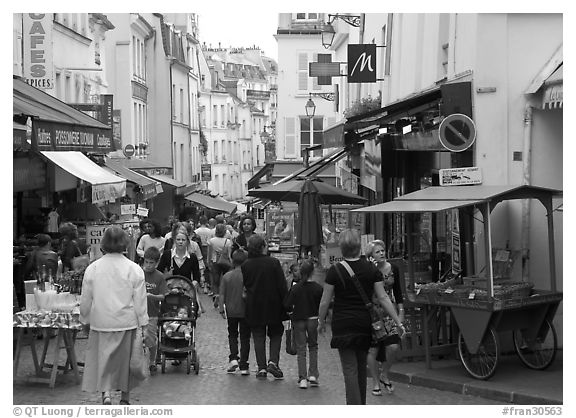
290, 340
81, 261
378, 323
139, 357
223, 259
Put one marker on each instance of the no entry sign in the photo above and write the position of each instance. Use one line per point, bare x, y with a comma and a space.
457, 132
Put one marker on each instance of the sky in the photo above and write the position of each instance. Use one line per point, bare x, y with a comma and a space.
240, 29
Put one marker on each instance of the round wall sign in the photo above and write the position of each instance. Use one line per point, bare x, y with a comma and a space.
457, 132
129, 150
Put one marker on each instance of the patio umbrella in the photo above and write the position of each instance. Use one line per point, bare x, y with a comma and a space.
289, 191
309, 232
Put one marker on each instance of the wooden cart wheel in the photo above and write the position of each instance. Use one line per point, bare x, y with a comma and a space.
163, 360
536, 351
481, 365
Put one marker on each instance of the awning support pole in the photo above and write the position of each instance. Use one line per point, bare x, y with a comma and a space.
485, 209
551, 245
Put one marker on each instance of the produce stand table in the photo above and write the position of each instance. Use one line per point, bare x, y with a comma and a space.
479, 319
66, 336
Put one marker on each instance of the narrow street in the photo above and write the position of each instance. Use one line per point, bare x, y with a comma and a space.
213, 386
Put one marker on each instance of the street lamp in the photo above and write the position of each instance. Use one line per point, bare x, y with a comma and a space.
310, 108
328, 31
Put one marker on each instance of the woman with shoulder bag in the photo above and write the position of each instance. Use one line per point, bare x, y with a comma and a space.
219, 250
351, 320
385, 353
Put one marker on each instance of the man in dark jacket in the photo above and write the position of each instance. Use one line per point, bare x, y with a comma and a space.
265, 293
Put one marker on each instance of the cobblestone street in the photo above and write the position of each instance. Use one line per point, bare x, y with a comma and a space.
213, 386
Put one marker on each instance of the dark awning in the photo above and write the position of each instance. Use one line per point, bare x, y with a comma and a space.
407, 106
254, 181
148, 186
57, 126
209, 202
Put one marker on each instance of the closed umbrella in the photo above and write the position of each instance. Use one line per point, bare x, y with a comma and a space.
310, 222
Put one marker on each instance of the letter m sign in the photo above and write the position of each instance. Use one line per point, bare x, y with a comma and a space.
362, 63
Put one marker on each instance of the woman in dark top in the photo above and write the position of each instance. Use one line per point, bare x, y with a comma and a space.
179, 261
247, 228
351, 324
386, 351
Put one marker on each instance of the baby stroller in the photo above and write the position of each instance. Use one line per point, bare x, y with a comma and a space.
175, 346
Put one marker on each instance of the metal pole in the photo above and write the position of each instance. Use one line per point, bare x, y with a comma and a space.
488, 247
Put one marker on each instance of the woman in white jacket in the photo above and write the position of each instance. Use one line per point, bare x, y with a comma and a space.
113, 302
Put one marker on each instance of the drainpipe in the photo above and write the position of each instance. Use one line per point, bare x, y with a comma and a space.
526, 180
360, 41
171, 119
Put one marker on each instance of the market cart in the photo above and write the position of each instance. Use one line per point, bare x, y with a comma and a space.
481, 306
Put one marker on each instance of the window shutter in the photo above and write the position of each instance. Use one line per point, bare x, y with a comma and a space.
290, 137
315, 85
303, 71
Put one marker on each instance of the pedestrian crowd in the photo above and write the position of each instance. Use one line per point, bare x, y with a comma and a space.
252, 293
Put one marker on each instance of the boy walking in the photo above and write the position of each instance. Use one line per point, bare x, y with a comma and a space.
303, 301
232, 301
156, 288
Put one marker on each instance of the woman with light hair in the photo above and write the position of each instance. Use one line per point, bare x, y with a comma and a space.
351, 322
386, 352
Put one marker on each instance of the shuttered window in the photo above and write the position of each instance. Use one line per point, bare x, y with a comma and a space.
303, 71
290, 137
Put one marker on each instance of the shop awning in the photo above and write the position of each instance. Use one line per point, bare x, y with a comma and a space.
58, 126
407, 106
553, 95
166, 180
149, 186
211, 202
437, 198
105, 185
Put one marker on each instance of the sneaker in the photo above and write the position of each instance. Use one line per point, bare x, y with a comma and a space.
275, 371
313, 381
262, 374
233, 366
245, 372
303, 384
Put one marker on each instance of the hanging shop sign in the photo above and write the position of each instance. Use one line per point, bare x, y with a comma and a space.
457, 132
50, 136
37, 50
361, 63
128, 209
142, 211
460, 176
206, 172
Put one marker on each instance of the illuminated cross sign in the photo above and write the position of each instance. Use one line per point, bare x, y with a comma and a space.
324, 69
362, 63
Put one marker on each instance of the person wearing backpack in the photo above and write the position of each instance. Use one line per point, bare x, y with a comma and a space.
219, 249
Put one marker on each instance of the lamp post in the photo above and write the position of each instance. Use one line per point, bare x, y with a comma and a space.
328, 31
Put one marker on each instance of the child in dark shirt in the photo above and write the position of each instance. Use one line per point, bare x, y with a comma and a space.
303, 301
155, 290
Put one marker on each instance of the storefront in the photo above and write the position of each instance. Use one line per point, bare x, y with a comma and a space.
51, 144
397, 150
